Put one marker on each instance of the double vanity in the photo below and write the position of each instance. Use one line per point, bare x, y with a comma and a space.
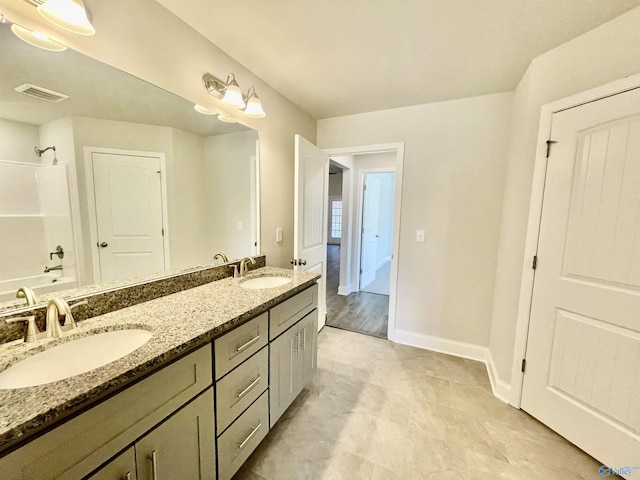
217, 366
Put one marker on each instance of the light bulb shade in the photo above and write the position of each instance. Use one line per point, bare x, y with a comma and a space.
254, 107
233, 96
68, 14
203, 110
226, 118
37, 39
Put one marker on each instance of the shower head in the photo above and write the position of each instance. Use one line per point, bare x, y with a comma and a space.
39, 152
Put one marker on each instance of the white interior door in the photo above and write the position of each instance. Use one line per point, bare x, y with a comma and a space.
310, 215
582, 375
129, 215
370, 236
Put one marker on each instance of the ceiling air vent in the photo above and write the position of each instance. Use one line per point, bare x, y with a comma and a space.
41, 93
35, 2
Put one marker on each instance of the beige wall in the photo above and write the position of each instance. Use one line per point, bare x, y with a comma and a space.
605, 54
455, 157
142, 38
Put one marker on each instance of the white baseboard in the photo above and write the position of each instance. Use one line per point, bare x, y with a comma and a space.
344, 290
500, 389
383, 261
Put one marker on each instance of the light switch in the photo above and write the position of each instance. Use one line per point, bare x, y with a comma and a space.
240, 226
279, 234
420, 236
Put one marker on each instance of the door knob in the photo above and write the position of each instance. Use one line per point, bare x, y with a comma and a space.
103, 244
293, 261
301, 261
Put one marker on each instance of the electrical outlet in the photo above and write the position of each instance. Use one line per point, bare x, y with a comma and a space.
240, 226
420, 236
279, 234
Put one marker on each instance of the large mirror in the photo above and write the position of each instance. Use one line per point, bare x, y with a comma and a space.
139, 182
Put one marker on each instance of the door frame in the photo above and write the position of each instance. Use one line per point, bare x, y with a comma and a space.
91, 201
398, 148
535, 217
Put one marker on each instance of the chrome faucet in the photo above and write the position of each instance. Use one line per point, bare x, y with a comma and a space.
56, 308
221, 256
50, 269
27, 293
244, 265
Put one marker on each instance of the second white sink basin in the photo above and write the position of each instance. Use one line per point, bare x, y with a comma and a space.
73, 358
264, 282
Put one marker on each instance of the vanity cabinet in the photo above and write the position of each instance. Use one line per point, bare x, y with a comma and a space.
199, 417
79, 446
293, 362
180, 447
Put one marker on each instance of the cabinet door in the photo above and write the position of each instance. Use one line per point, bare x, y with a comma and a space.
285, 374
122, 467
182, 447
309, 346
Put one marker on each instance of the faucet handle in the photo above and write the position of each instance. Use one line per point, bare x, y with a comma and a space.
31, 330
234, 268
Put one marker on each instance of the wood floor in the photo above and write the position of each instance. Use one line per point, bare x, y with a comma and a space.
360, 312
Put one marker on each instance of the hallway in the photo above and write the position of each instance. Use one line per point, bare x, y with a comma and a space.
360, 312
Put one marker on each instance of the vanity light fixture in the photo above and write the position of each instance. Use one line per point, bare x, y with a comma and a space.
70, 15
37, 39
230, 94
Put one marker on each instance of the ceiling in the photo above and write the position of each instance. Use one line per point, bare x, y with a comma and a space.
94, 89
339, 57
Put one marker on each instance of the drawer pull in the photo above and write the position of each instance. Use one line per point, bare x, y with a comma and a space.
246, 440
248, 344
254, 382
154, 465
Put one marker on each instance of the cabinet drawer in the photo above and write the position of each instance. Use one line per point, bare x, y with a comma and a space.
233, 348
242, 437
240, 388
80, 445
287, 313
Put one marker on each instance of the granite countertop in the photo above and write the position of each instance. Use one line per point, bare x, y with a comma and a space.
180, 322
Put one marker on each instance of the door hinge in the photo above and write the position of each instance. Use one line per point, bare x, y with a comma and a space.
549, 142
524, 364
534, 262
364, 187
163, 232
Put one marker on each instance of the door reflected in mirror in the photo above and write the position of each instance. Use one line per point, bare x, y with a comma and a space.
138, 182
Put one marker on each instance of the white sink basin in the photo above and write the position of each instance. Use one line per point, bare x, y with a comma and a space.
264, 282
73, 358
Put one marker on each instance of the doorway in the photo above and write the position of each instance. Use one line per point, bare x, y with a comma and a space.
362, 267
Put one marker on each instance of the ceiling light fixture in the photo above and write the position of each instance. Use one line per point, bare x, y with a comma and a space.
230, 94
70, 15
37, 39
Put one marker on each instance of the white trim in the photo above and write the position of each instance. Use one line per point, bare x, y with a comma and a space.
398, 148
500, 388
91, 202
257, 194
344, 290
443, 345
535, 216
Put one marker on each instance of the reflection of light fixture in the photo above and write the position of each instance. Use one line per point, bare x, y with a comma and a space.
37, 39
203, 110
254, 107
226, 118
230, 94
68, 14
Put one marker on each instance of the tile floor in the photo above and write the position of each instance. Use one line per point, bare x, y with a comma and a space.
379, 410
